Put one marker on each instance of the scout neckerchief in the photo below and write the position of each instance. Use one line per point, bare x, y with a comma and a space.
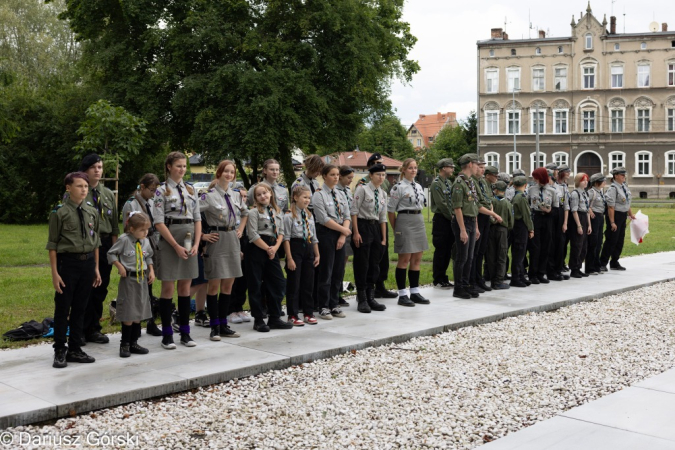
417, 197
274, 223
602, 196
623, 186
377, 200
306, 232
448, 190
140, 273
182, 200
311, 183
97, 200
482, 188
83, 229
470, 184
231, 209
338, 211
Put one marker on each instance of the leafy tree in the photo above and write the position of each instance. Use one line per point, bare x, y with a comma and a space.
386, 135
471, 130
449, 143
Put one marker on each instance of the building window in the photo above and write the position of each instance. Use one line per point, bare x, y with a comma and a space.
617, 121
616, 47
513, 161
670, 119
643, 120
537, 51
492, 79
561, 158
560, 119
643, 46
643, 163
589, 121
643, 75
492, 52
513, 52
540, 123
491, 122
670, 163
419, 142
671, 74
617, 77
538, 79
513, 76
414, 132
617, 159
589, 77
514, 122
533, 160
492, 159
560, 49
431, 139
561, 78
589, 41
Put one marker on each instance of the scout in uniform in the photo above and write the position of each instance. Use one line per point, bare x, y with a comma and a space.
73, 245
177, 218
103, 200
598, 206
464, 224
618, 198
270, 173
369, 219
440, 201
404, 208
498, 246
381, 290
541, 196
313, 166
344, 183
579, 206
226, 215
523, 229
511, 190
560, 219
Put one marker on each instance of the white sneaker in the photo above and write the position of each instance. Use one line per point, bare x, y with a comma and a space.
234, 318
245, 316
325, 314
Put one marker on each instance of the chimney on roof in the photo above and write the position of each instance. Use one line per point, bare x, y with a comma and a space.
506, 36
664, 27
542, 34
422, 116
496, 33
612, 25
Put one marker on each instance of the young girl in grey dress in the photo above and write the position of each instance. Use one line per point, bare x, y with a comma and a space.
132, 255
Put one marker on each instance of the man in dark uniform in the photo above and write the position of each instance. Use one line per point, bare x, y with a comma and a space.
440, 193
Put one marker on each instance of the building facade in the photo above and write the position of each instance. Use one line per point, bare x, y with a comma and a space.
594, 100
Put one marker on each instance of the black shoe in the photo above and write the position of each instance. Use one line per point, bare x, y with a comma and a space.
167, 342
362, 299
617, 266
566, 268
500, 286
534, 280
98, 338
526, 282
585, 275
79, 356
473, 292
186, 340
543, 280
555, 277
417, 298
136, 349
260, 325
576, 274
83, 341
374, 305
565, 276
481, 284
507, 276
460, 292
60, 358
404, 300
516, 283
125, 352
475, 287
385, 294
226, 331
278, 324
202, 319
342, 302
152, 329
214, 335
603, 268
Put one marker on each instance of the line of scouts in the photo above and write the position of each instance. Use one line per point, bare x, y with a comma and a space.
175, 235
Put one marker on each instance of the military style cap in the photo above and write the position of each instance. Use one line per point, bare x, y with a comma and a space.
466, 159
378, 168
491, 170
88, 161
619, 171
552, 166
505, 177
597, 178
445, 162
550, 173
519, 173
481, 160
500, 186
519, 181
563, 168
374, 157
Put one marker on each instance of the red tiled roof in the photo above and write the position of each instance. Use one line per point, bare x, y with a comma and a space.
429, 125
359, 160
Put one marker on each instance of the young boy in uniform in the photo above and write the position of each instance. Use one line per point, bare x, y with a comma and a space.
523, 230
498, 246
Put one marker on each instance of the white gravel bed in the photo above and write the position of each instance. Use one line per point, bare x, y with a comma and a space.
455, 390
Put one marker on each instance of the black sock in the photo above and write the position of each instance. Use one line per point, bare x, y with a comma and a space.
165, 310
126, 335
223, 306
184, 311
400, 278
135, 332
212, 307
414, 277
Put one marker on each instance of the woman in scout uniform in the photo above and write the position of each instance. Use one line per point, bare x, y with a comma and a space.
132, 255
333, 223
369, 219
313, 167
344, 186
441, 230
541, 196
618, 198
410, 239
270, 176
73, 245
579, 206
523, 229
596, 197
226, 216
464, 224
560, 217
143, 201
178, 221
302, 257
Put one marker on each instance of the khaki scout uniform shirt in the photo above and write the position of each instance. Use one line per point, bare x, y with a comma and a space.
440, 197
311, 183
170, 204
485, 196
280, 195
386, 187
464, 195
579, 201
597, 199
261, 224
296, 228
406, 196
124, 251
541, 195
66, 234
347, 192
138, 203
618, 196
366, 207
325, 208
216, 210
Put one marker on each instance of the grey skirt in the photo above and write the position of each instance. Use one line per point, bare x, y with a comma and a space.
133, 299
410, 235
171, 267
222, 259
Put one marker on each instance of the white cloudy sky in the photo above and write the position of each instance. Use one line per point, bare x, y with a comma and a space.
447, 32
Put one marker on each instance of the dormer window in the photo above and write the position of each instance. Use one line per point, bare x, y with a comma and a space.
560, 49
643, 46
513, 52
492, 52
589, 41
537, 51
616, 47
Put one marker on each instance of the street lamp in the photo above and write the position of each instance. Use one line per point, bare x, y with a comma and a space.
513, 109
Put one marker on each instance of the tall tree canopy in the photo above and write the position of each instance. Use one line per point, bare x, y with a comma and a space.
385, 135
247, 79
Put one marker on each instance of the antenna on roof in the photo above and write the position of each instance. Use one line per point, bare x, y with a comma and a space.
613, 1
624, 19
529, 19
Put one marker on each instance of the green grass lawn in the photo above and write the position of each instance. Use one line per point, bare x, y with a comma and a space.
26, 291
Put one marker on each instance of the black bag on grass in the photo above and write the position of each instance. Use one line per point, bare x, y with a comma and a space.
29, 330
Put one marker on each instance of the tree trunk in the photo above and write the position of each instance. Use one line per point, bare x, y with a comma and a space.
242, 173
286, 162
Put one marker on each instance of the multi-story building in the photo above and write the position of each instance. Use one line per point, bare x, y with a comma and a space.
598, 99
422, 133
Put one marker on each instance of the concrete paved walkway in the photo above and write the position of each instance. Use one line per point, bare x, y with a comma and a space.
31, 390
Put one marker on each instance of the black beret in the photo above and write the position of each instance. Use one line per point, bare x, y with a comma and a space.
374, 157
378, 168
88, 161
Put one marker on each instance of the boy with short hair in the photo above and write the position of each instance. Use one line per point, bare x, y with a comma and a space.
498, 245
73, 256
523, 228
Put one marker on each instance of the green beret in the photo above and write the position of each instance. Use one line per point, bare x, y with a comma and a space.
500, 186
491, 170
519, 181
445, 162
466, 159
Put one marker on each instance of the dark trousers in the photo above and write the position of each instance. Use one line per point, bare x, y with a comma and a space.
611, 250
331, 268
480, 249
462, 266
367, 256
260, 267
520, 237
384, 259
578, 242
300, 282
94, 311
239, 288
70, 306
498, 248
443, 239
540, 246
559, 241
594, 244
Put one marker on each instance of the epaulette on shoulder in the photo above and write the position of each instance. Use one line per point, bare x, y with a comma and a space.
283, 186
212, 189
235, 190
187, 182
162, 183
57, 207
